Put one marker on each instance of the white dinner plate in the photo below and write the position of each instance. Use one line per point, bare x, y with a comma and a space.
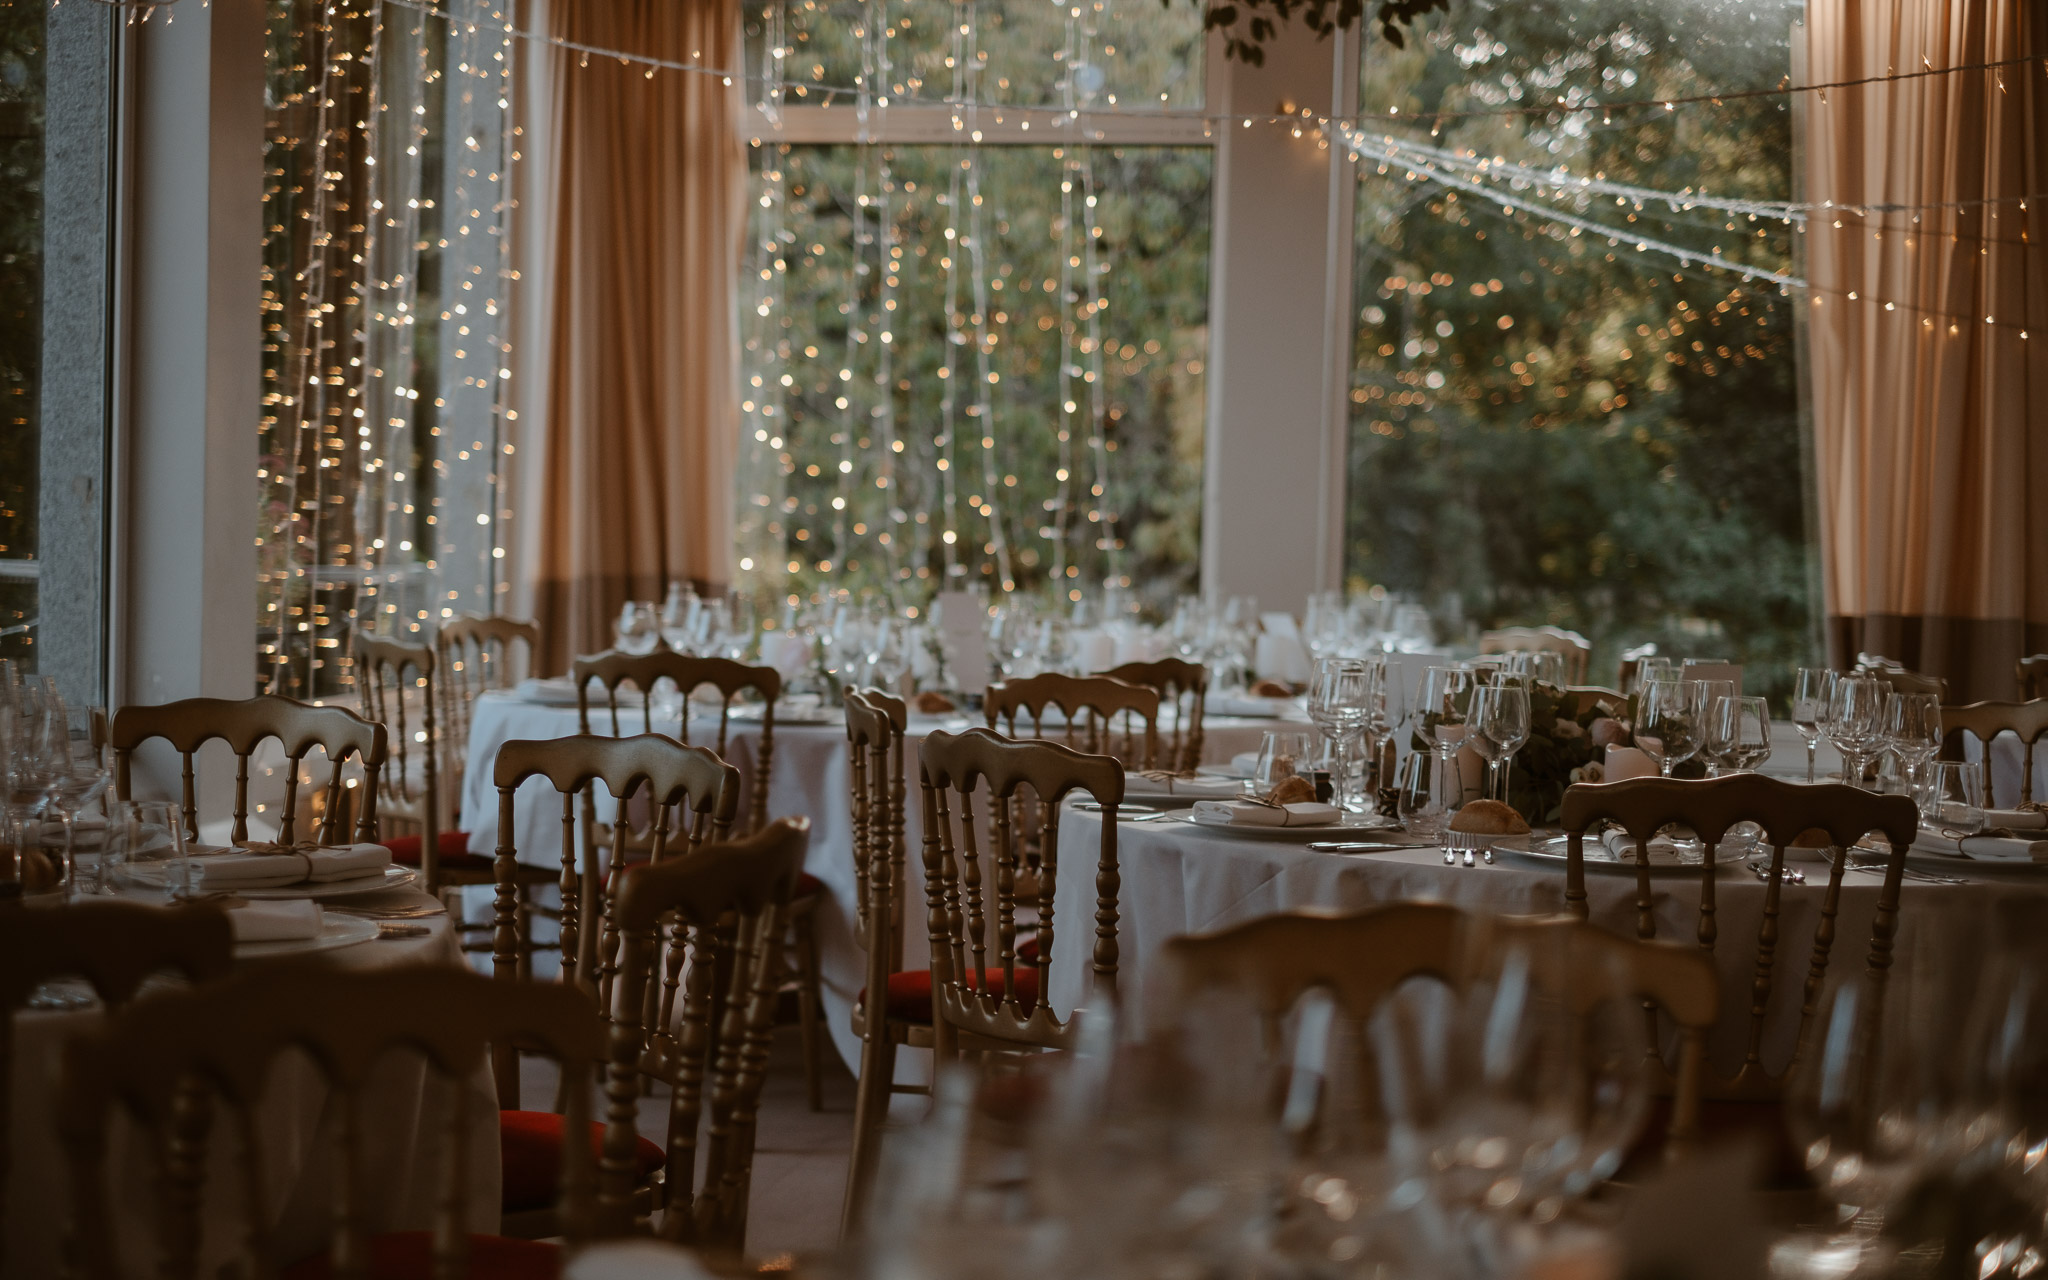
336, 931
1346, 823
151, 876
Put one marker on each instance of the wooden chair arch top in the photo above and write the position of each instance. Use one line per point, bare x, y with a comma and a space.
691, 779
244, 724
1098, 699
727, 906
1174, 679
1360, 958
162, 1057
965, 996
612, 669
2027, 720
1786, 811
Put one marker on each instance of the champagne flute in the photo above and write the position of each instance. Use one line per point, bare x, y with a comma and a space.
1811, 693
1668, 728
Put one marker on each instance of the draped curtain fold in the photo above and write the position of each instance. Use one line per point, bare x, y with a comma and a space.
1928, 334
641, 408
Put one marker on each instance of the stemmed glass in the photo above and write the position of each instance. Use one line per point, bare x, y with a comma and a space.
638, 630
1811, 693
1499, 727
1340, 701
1668, 724
80, 777
27, 770
1912, 729
1738, 734
1855, 722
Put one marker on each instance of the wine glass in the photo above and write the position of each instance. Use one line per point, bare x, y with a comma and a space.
1340, 704
1739, 733
1499, 727
1811, 693
80, 777
637, 630
1952, 798
1855, 722
1415, 799
1668, 723
1282, 755
1912, 729
153, 832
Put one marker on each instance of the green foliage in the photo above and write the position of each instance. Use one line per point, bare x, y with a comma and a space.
1552, 428
21, 308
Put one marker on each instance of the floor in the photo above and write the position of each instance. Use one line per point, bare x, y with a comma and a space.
799, 1156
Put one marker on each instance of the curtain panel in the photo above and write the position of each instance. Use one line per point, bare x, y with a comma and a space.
1928, 331
641, 402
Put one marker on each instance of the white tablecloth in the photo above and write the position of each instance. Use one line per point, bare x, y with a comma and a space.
809, 779
1178, 879
400, 1120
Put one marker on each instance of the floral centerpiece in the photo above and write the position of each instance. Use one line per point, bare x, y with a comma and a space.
1569, 734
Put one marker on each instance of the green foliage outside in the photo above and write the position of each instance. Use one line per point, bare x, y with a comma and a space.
21, 309
1548, 428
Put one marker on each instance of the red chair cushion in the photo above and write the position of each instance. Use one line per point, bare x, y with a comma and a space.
454, 847
409, 1255
910, 992
530, 1146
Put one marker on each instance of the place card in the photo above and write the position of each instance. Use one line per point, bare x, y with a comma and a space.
963, 641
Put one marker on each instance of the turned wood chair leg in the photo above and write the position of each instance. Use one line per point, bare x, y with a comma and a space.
525, 969
808, 1011
870, 1116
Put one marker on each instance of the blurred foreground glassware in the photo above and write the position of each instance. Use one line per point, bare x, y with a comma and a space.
638, 630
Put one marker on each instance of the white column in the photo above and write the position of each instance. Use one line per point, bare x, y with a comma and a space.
184, 619
1279, 332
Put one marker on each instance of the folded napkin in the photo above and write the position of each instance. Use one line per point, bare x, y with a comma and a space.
1166, 784
1244, 763
1988, 848
269, 867
1664, 852
1244, 704
2016, 819
1243, 813
288, 920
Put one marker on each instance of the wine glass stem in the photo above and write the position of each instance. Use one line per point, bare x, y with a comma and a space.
1812, 751
1665, 766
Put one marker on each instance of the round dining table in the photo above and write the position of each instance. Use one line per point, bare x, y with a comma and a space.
399, 1109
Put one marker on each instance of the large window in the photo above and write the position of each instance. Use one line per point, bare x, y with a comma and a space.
21, 296
975, 338
1573, 403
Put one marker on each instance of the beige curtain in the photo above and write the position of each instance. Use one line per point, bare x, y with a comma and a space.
1930, 424
642, 378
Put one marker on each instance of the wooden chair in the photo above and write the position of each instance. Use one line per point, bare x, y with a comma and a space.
1909, 682
414, 798
1184, 685
1360, 958
725, 904
244, 724
1785, 811
2032, 675
1095, 702
702, 791
2025, 720
613, 669
1006, 1004
1577, 650
175, 1061
875, 724
115, 946
478, 654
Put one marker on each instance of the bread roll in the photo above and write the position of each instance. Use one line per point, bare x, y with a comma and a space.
1489, 818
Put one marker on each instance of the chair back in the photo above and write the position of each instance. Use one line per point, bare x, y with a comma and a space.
701, 789
478, 653
2025, 720
244, 724
1091, 707
1909, 682
1785, 811
398, 701
2032, 675
1007, 1002
115, 946
1577, 650
1185, 686
1361, 958
875, 724
177, 1061
727, 906
612, 669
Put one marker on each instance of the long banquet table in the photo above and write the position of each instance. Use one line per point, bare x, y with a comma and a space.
400, 1106
809, 777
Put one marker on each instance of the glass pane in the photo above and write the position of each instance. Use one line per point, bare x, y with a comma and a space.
1078, 299
21, 331
1559, 415
1129, 53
